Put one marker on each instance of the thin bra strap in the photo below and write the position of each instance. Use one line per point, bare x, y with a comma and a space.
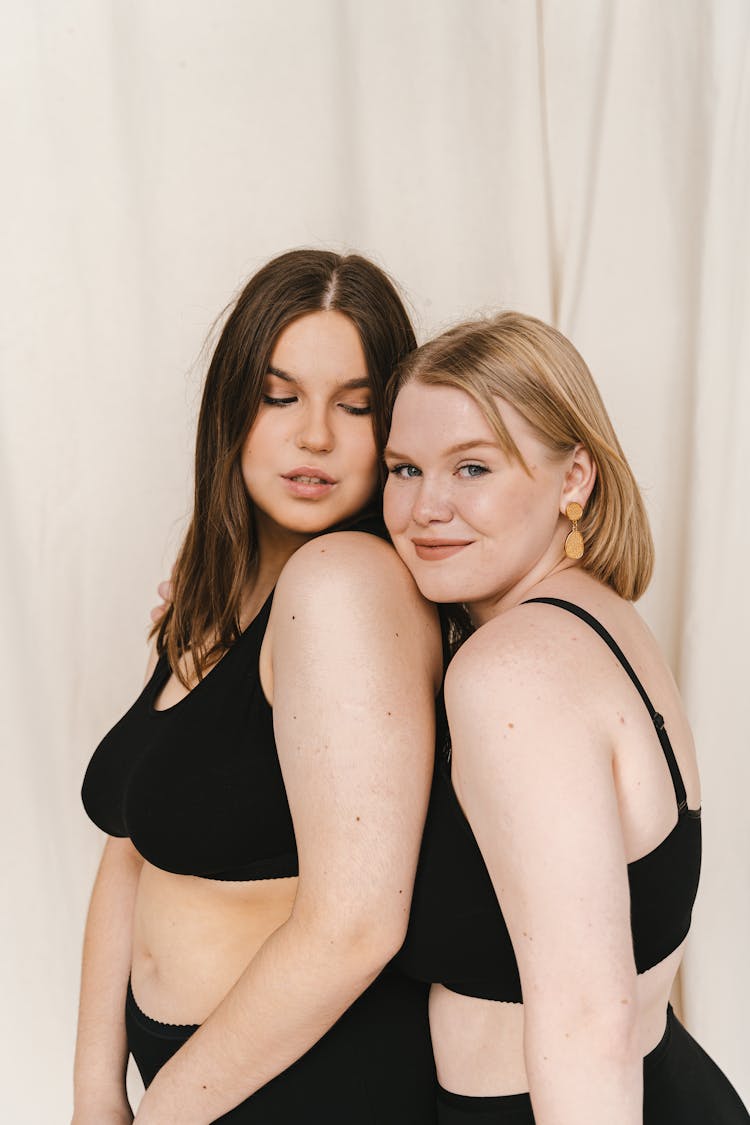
656, 718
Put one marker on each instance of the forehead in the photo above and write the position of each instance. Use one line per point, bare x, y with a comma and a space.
323, 344
438, 415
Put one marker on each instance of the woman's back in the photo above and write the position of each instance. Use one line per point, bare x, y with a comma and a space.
548, 652
567, 831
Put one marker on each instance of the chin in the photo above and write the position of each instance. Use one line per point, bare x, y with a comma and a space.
312, 524
439, 589
314, 520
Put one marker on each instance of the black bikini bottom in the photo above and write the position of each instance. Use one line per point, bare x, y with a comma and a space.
374, 1066
681, 1086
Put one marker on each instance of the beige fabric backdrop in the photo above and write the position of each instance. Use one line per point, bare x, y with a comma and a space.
583, 160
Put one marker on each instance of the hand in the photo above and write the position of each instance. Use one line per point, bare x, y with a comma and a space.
164, 590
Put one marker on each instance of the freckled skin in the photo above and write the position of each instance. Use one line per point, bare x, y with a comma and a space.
511, 521
555, 808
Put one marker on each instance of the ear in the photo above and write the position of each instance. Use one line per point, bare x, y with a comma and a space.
579, 479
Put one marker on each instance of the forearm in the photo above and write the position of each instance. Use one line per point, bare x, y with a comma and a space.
292, 992
583, 1067
101, 1048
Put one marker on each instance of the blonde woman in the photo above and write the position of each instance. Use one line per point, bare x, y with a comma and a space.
562, 849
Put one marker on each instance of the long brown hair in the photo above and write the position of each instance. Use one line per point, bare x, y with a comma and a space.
220, 548
538, 371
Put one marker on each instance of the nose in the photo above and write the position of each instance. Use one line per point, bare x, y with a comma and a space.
432, 504
315, 432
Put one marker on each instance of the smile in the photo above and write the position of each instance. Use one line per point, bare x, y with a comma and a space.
433, 550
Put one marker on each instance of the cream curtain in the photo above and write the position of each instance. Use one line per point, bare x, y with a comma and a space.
583, 160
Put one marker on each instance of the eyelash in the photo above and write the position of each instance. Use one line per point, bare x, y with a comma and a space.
472, 465
396, 471
357, 411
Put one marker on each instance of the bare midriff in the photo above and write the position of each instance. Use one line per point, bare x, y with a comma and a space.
478, 1044
194, 937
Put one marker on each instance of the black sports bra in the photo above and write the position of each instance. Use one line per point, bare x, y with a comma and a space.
457, 934
198, 787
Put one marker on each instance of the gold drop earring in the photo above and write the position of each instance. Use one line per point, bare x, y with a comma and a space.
574, 539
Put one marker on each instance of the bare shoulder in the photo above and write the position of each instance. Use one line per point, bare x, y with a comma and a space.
521, 645
348, 596
354, 568
522, 666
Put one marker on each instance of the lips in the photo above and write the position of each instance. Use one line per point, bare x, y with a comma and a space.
307, 475
307, 482
433, 550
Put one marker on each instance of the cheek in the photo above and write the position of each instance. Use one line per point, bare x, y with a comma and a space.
506, 512
395, 508
247, 457
257, 440
483, 508
529, 522
265, 447
259, 453
251, 458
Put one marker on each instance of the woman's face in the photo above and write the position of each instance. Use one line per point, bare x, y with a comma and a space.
310, 459
470, 523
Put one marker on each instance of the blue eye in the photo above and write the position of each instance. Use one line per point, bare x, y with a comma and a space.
405, 472
472, 471
270, 401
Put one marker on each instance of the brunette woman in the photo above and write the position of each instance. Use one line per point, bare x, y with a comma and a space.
265, 794
562, 847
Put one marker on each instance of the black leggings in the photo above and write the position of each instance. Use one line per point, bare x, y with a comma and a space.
374, 1066
681, 1086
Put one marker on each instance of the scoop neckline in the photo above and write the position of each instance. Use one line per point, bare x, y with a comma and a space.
158, 683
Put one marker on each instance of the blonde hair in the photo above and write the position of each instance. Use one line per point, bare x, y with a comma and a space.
538, 371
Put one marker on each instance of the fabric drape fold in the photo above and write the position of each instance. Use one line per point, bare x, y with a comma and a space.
586, 161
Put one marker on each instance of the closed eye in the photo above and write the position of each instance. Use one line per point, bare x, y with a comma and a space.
269, 400
357, 410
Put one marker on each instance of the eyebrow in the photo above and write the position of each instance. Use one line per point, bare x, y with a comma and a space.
460, 448
349, 385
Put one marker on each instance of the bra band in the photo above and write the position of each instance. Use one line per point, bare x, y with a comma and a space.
656, 718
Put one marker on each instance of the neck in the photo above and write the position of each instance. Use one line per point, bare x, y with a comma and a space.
275, 546
501, 601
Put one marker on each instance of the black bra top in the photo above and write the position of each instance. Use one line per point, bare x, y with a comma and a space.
198, 787
457, 935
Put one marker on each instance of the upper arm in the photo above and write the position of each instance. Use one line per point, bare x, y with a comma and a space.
533, 769
354, 657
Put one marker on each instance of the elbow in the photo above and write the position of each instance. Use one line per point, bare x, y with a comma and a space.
363, 943
614, 1028
603, 1027
387, 937
372, 941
